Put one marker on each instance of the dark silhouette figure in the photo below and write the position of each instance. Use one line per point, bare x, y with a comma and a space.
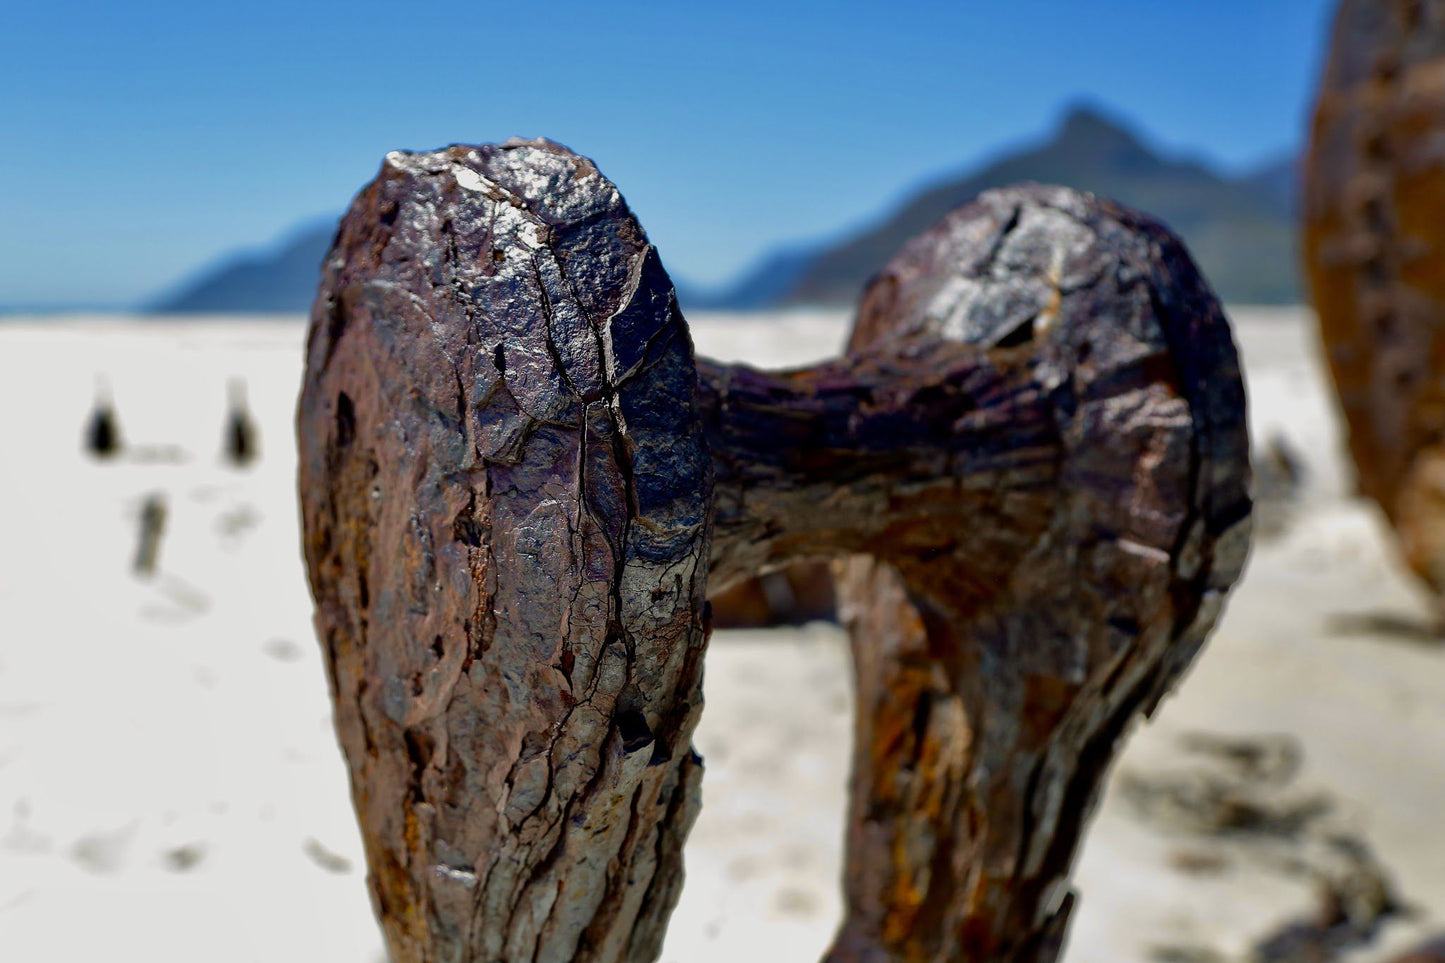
240, 443
102, 432
152, 527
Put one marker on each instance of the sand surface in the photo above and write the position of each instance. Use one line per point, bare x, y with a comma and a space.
170, 789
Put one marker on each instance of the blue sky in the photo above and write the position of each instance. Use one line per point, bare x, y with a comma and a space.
143, 140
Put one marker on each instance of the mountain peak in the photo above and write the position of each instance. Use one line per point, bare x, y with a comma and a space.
1241, 230
1242, 239
1085, 126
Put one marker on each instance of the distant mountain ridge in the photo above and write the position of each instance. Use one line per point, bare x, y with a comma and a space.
1240, 230
763, 285
281, 280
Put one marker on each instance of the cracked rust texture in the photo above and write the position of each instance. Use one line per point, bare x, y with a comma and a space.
1374, 245
506, 520
1112, 520
517, 486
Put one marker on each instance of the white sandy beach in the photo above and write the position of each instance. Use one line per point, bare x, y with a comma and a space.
170, 788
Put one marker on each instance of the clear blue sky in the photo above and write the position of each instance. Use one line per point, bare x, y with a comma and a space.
144, 139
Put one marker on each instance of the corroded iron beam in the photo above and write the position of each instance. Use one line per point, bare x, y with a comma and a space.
1374, 244
518, 484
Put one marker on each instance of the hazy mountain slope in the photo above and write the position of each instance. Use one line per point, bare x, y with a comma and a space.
1241, 234
1279, 183
762, 285
1241, 231
283, 280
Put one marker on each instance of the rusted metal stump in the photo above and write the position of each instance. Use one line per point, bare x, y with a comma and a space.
239, 442
1374, 240
518, 486
102, 431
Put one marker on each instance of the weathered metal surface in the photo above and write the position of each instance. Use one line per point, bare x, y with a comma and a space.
996, 714
517, 483
1036, 450
1374, 244
506, 508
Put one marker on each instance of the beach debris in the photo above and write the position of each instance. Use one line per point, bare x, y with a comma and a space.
1186, 953
283, 650
518, 486
153, 454
102, 429
1279, 471
795, 902
21, 838
20, 899
1354, 899
103, 852
1236, 785
1356, 888
1374, 245
240, 446
186, 602
1279, 478
1254, 759
238, 520
1198, 862
325, 858
182, 859
1402, 627
152, 527
1207, 804
1236, 797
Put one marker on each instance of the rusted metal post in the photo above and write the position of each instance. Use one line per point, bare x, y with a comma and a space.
1374, 244
239, 438
518, 484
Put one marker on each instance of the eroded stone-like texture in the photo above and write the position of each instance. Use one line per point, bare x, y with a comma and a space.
1032, 457
1374, 239
505, 498
1035, 451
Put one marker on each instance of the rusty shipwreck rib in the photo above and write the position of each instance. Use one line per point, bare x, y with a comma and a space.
517, 485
